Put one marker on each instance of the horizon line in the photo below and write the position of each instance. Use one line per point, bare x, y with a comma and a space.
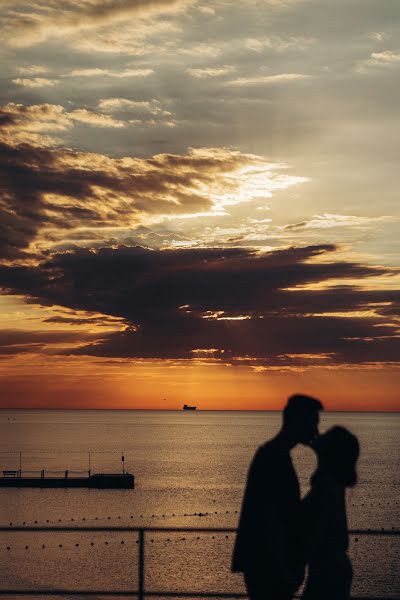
197, 410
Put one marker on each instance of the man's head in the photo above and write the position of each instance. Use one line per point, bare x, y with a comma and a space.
301, 418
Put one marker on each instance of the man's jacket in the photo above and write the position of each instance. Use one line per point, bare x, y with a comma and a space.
268, 532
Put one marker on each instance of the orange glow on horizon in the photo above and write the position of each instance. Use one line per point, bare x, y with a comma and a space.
88, 383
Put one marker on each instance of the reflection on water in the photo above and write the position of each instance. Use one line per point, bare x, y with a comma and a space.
183, 463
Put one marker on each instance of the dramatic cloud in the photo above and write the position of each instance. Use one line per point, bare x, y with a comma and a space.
186, 127
245, 304
54, 190
16, 341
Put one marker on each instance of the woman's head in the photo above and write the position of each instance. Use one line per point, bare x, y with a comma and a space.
337, 452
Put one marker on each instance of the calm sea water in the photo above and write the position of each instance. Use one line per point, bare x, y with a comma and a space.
184, 463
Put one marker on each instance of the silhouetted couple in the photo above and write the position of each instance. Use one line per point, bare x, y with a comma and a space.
279, 534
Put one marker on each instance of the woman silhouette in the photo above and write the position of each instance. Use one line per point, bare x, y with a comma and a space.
324, 517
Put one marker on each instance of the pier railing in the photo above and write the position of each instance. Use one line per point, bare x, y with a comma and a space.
42, 474
141, 592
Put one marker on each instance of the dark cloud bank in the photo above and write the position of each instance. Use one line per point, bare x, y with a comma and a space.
238, 303
175, 301
48, 191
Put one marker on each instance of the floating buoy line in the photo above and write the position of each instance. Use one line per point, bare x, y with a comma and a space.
204, 513
99, 543
208, 513
113, 543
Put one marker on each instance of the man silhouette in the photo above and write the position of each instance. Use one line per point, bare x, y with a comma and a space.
268, 546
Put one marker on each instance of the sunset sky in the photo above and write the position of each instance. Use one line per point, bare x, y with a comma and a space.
199, 203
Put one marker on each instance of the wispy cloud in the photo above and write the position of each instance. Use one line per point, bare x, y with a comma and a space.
35, 82
385, 57
141, 112
328, 221
32, 70
96, 72
117, 104
131, 38
206, 72
380, 60
378, 36
269, 79
276, 43
37, 124
86, 116
32, 123
27, 27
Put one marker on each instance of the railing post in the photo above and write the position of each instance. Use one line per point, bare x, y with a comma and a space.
141, 565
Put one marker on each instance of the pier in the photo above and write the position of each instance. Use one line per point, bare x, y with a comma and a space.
66, 479
45, 478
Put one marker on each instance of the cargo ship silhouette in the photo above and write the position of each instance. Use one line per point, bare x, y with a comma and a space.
187, 407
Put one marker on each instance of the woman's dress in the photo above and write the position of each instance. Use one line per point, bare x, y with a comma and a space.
326, 541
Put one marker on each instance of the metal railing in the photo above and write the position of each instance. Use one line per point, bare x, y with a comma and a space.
41, 474
141, 593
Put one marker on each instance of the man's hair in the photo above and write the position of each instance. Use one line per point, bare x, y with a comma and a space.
299, 406
338, 450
